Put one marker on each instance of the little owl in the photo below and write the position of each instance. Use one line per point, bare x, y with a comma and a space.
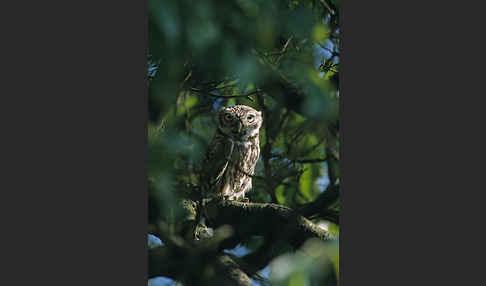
232, 155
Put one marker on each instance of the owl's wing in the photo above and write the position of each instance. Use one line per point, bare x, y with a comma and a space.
216, 160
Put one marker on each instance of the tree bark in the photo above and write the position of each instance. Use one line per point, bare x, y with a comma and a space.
193, 267
264, 219
205, 264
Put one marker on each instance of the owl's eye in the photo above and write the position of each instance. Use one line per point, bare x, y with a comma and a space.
227, 116
250, 118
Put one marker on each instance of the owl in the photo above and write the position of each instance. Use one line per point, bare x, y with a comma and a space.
232, 155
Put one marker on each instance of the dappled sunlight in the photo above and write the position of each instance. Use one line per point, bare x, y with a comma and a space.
280, 58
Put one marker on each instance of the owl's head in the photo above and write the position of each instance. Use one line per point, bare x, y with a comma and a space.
239, 122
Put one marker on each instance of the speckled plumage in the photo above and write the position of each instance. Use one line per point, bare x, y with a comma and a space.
232, 155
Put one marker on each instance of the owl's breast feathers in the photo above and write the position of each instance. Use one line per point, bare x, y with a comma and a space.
229, 166
245, 155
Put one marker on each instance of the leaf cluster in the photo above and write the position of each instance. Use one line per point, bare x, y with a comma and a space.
280, 57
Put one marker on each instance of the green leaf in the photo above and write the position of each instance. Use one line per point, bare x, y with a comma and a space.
279, 193
320, 33
305, 184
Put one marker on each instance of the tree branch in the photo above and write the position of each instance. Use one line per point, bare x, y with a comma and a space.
247, 95
198, 263
260, 258
193, 267
202, 263
268, 220
305, 161
320, 206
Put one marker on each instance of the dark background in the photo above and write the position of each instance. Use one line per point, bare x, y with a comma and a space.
74, 151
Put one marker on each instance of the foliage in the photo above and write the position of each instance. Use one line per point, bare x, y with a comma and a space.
280, 57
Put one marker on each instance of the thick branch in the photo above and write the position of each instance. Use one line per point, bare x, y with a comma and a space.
260, 258
269, 220
203, 264
320, 206
229, 273
164, 261
193, 267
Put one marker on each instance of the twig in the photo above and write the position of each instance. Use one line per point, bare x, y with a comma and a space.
247, 95
284, 50
326, 5
305, 161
